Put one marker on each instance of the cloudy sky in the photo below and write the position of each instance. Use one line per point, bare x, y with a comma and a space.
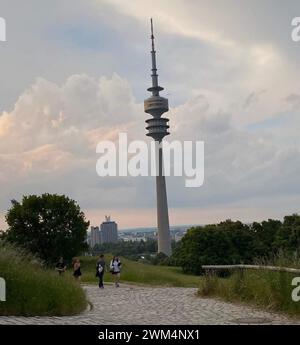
74, 73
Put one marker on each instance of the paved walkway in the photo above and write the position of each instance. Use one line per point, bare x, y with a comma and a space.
129, 305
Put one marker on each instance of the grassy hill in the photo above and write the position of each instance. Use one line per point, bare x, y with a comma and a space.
140, 273
32, 290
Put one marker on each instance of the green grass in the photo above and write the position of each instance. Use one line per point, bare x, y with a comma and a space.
32, 290
266, 289
140, 273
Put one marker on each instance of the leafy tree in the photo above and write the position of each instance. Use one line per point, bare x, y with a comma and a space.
288, 236
49, 226
225, 243
264, 237
235, 243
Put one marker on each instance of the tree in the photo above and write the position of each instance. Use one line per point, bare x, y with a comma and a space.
49, 226
218, 244
264, 236
288, 236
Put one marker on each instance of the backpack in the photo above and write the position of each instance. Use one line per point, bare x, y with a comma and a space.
99, 270
111, 268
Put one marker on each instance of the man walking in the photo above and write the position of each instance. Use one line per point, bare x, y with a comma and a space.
61, 266
100, 270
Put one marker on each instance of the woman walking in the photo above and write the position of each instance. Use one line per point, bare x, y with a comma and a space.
76, 269
115, 269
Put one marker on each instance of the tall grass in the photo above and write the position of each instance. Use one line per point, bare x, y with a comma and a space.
140, 273
32, 290
267, 289
280, 259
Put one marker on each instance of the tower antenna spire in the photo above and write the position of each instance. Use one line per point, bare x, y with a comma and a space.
152, 35
155, 89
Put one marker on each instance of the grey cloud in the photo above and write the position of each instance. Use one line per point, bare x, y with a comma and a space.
252, 98
294, 100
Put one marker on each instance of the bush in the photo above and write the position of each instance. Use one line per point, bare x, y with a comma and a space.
32, 290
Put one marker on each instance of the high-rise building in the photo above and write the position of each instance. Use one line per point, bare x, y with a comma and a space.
157, 128
109, 231
95, 237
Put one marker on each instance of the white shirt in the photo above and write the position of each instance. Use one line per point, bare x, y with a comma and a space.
115, 266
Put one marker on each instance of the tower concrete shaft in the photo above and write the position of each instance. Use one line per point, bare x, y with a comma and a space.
158, 129
164, 237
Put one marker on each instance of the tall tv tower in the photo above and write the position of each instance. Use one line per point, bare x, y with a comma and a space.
157, 128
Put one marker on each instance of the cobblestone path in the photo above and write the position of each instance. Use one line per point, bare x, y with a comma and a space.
129, 305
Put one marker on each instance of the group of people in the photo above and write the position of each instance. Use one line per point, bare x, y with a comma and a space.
61, 267
114, 269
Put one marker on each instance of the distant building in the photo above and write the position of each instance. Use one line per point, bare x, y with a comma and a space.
88, 238
95, 237
109, 231
178, 237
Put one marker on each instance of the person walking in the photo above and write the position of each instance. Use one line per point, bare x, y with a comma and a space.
76, 268
115, 269
100, 269
61, 266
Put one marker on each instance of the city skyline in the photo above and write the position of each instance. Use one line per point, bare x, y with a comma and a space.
231, 83
107, 232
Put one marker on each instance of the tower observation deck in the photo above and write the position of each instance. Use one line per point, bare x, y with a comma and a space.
156, 105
